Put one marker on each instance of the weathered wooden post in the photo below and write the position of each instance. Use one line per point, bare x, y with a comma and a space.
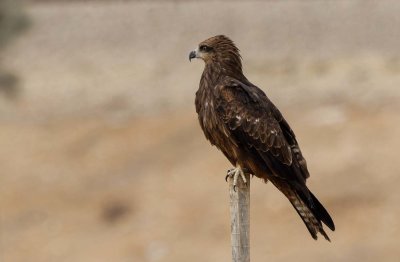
240, 219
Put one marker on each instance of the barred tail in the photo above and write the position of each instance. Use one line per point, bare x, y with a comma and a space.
311, 212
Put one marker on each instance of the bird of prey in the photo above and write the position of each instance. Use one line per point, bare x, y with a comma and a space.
240, 120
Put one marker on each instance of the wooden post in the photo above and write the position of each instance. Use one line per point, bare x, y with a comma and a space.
240, 220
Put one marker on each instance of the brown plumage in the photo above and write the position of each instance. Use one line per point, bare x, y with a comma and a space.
238, 118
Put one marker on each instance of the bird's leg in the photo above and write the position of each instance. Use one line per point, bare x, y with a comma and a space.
231, 172
235, 173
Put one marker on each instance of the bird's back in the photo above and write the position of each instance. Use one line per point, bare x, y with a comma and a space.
238, 118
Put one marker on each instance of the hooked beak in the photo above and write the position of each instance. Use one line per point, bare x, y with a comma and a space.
192, 55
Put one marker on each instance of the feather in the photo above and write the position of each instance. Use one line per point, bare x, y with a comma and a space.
238, 118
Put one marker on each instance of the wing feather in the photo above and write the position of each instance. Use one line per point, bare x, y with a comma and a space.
261, 126
252, 117
257, 123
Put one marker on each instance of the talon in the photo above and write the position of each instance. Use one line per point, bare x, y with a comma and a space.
235, 173
231, 171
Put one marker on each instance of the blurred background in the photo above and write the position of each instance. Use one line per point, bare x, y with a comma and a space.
102, 158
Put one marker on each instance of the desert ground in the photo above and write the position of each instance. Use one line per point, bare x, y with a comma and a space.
102, 157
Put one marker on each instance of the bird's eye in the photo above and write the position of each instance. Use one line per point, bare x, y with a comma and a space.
204, 48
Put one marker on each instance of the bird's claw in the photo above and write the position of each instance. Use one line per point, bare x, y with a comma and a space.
226, 177
235, 173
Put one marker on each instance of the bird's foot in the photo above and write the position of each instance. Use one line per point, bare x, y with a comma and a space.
235, 173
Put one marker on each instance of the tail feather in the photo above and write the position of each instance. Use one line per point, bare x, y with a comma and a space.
312, 214
307, 206
320, 212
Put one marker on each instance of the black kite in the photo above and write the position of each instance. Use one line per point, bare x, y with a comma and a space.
238, 118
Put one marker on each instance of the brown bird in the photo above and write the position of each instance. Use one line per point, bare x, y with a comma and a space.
238, 118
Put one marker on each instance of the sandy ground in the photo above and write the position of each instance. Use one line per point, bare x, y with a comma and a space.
103, 159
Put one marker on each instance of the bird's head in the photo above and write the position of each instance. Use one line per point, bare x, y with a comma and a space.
217, 49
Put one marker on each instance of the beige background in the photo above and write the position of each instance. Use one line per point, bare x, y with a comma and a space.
102, 158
